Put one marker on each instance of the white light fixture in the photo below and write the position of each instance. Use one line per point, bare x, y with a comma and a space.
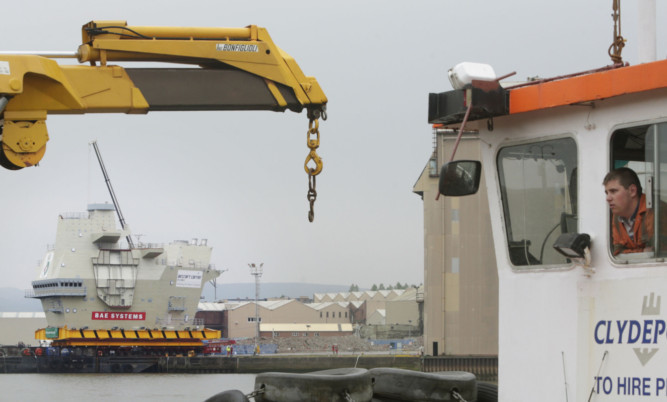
464, 73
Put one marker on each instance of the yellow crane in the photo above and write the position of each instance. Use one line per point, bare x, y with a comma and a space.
220, 69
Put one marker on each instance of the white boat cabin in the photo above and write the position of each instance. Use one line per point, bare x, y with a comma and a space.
586, 325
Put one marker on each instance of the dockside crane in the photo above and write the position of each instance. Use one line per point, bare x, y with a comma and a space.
219, 69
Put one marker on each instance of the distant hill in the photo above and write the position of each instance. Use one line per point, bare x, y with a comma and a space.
13, 300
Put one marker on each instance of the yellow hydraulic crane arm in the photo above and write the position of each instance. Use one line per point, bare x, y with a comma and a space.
220, 69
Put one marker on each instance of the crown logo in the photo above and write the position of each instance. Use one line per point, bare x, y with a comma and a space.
651, 305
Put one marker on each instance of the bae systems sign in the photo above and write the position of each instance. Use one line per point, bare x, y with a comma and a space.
106, 315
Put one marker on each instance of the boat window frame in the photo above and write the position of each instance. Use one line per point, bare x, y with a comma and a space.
559, 267
639, 258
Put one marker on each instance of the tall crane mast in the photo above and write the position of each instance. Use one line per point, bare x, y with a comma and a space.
114, 200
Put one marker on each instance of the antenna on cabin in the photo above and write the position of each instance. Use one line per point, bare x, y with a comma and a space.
114, 200
646, 38
619, 42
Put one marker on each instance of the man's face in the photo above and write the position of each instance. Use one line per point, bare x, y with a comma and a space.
622, 201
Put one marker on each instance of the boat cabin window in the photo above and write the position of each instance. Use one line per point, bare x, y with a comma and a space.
643, 149
538, 183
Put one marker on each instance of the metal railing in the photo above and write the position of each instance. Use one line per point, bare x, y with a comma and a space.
59, 291
149, 245
74, 215
177, 322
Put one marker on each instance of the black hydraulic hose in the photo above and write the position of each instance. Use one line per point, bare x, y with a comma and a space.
545, 241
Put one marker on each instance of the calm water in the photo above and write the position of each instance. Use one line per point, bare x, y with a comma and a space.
119, 387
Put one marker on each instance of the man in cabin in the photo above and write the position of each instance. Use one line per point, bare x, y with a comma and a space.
632, 223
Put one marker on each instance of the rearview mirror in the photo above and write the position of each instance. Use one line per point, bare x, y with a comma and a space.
459, 178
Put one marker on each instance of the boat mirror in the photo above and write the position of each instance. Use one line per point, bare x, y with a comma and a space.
458, 178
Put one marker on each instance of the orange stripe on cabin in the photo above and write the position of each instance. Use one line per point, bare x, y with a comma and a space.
590, 87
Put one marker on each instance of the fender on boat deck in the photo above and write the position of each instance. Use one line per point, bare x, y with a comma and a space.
327, 385
487, 392
407, 385
233, 395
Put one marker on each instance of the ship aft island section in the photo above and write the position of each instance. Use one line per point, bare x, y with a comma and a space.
94, 287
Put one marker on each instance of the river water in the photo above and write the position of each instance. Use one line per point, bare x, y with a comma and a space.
119, 387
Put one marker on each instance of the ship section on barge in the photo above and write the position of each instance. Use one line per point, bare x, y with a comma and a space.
96, 290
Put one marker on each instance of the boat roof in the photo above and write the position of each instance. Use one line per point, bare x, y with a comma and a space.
588, 86
488, 99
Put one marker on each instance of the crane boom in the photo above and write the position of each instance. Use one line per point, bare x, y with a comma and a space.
219, 69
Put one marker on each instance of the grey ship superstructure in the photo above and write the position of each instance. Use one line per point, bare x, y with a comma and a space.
92, 279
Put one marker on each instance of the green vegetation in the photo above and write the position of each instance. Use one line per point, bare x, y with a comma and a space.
381, 286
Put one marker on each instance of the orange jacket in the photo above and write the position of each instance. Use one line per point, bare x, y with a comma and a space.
642, 229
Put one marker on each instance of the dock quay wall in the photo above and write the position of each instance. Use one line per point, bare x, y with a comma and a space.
485, 368
291, 363
198, 364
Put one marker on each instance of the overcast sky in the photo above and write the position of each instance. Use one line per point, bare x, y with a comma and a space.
237, 178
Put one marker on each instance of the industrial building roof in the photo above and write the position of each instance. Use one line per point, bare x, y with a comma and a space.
279, 327
39, 314
320, 306
353, 296
267, 304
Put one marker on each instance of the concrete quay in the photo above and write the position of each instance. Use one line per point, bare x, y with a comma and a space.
283, 363
200, 364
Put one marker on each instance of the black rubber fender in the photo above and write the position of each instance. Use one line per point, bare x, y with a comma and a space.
327, 385
487, 392
407, 385
233, 395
